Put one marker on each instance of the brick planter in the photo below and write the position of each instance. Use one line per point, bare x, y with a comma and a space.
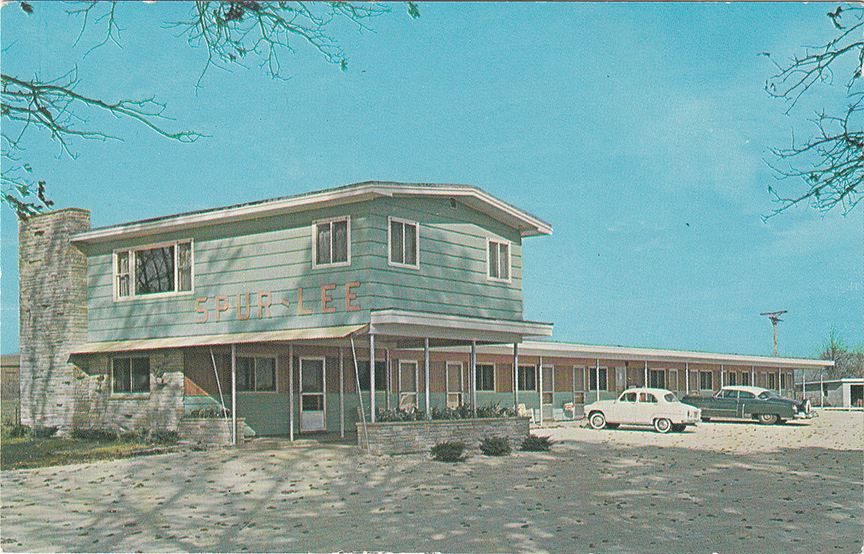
209, 431
410, 437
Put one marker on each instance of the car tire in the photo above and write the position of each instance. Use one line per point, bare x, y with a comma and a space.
597, 420
767, 419
662, 425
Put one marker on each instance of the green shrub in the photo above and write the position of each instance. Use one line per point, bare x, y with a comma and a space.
44, 432
137, 435
533, 443
399, 415
495, 446
494, 410
212, 412
449, 451
19, 430
160, 436
105, 435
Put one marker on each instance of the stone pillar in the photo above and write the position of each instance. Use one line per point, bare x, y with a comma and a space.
53, 314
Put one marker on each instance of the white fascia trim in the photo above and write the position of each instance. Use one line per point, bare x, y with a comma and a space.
558, 349
294, 204
400, 317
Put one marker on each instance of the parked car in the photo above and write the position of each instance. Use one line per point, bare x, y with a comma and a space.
740, 402
643, 406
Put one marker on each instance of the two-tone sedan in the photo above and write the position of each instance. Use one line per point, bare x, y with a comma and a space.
741, 402
659, 408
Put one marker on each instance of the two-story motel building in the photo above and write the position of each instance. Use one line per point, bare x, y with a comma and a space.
267, 308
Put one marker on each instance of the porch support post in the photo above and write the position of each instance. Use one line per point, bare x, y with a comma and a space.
291, 392
515, 375
388, 372
372, 377
233, 394
646, 373
574, 388
474, 376
341, 394
540, 388
426, 375
822, 388
687, 377
752, 376
721, 376
597, 378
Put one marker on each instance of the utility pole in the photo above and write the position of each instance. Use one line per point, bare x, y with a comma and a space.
775, 318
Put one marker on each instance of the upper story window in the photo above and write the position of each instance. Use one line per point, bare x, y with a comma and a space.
404, 243
130, 375
331, 244
155, 269
499, 261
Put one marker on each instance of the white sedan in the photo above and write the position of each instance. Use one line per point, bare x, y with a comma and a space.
643, 406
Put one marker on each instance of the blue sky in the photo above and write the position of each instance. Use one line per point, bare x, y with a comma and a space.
639, 131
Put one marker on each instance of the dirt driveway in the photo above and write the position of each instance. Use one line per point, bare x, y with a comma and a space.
724, 487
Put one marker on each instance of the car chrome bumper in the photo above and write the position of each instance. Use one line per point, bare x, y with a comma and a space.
808, 415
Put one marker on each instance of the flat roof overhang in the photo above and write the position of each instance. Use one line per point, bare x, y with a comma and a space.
406, 329
288, 335
584, 351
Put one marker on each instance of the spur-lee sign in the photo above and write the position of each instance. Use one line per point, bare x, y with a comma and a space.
261, 303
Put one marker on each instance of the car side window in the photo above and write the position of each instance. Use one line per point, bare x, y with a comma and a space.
628, 397
764, 396
730, 394
647, 397
745, 394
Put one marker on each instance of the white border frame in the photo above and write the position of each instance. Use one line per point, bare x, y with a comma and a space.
133, 261
390, 220
331, 220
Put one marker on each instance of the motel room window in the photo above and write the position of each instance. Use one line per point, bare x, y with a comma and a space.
657, 379
130, 375
527, 377
151, 270
706, 380
404, 243
485, 377
380, 375
592, 378
332, 242
499, 261
731, 378
745, 379
256, 374
772, 381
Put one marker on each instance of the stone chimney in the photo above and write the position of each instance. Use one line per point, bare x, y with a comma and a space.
53, 312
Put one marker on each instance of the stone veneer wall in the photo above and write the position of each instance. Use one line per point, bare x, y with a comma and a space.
210, 431
53, 314
162, 408
409, 437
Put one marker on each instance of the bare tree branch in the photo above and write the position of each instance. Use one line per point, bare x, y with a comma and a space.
831, 161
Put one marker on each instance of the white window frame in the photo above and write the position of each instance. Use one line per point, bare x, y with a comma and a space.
406, 394
132, 253
509, 245
255, 361
390, 221
315, 224
477, 374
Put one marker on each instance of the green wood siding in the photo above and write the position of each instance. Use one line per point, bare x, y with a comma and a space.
274, 255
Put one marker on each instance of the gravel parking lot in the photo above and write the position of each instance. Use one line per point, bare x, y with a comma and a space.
722, 487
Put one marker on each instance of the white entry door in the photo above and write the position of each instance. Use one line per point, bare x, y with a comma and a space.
312, 400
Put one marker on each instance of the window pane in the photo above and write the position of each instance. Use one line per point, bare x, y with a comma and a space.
123, 285
154, 270
407, 377
122, 263
245, 374
265, 374
322, 247
340, 241
485, 380
313, 375
410, 244
493, 259
396, 243
504, 260
140, 374
184, 266
380, 375
120, 377
527, 378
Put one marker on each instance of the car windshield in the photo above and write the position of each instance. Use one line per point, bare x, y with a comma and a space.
669, 397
